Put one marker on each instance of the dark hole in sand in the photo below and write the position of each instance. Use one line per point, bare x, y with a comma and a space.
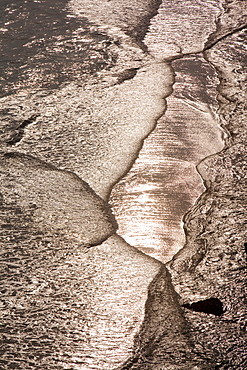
245, 247
211, 305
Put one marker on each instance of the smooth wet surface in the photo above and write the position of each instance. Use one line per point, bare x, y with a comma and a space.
163, 184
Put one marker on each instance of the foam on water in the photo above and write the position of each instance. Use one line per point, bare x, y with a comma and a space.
59, 201
131, 16
42, 46
73, 306
95, 131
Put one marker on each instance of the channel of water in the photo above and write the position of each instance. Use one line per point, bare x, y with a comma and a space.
163, 184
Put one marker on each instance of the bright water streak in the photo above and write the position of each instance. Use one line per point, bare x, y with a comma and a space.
163, 184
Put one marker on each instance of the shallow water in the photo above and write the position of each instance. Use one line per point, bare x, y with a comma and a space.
43, 46
163, 184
